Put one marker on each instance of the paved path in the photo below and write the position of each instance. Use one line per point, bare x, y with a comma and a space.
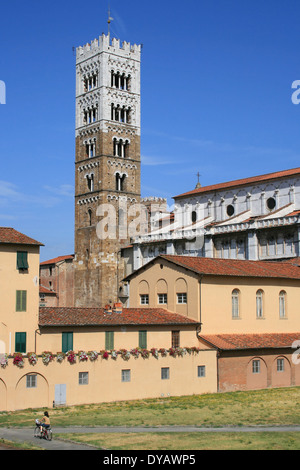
26, 434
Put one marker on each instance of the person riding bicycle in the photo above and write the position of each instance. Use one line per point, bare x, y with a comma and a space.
45, 421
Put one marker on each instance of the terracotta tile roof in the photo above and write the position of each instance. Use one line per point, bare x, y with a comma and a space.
68, 316
57, 260
241, 182
230, 267
251, 341
45, 290
10, 235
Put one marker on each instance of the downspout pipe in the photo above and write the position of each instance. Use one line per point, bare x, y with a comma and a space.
200, 305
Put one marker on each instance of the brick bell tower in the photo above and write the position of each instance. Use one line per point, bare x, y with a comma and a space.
107, 164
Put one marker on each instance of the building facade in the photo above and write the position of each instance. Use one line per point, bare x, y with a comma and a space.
57, 282
19, 280
107, 168
256, 218
246, 310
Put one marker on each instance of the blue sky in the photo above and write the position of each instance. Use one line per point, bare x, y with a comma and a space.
216, 98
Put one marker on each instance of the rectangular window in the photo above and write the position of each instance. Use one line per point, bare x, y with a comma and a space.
182, 298
126, 375
201, 371
83, 378
31, 381
256, 366
109, 340
165, 373
162, 299
21, 300
67, 341
144, 299
22, 260
280, 365
143, 339
175, 339
20, 342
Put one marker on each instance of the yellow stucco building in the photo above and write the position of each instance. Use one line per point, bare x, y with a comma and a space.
247, 310
193, 326
55, 356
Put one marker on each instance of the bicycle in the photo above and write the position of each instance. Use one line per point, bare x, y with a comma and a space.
45, 433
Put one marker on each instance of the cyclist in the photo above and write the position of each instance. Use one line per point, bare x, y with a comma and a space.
45, 421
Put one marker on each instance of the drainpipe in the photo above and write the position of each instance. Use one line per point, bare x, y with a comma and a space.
200, 306
35, 333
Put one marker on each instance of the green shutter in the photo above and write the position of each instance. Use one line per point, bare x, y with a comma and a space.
22, 260
143, 339
20, 342
24, 300
109, 340
21, 300
67, 341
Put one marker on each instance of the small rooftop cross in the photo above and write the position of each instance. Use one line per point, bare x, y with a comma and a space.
198, 185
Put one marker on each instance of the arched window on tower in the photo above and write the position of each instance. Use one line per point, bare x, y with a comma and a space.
90, 213
90, 182
126, 149
120, 182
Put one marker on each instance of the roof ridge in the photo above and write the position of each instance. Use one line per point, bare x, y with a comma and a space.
241, 181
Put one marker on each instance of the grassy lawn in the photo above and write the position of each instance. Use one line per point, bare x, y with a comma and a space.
271, 407
191, 441
262, 407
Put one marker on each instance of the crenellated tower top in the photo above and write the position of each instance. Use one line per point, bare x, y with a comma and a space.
106, 44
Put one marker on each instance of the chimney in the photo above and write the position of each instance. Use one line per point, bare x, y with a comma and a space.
107, 309
118, 307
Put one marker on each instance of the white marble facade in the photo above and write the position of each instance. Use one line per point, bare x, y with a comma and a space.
256, 218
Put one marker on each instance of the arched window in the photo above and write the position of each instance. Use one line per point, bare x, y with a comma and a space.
282, 304
90, 182
235, 301
90, 217
259, 304
120, 182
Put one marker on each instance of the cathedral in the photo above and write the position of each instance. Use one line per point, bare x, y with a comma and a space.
255, 218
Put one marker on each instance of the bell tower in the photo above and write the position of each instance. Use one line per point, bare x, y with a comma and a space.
107, 164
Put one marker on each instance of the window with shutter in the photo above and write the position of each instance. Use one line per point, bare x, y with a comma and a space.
22, 260
21, 300
109, 340
67, 341
20, 342
143, 339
